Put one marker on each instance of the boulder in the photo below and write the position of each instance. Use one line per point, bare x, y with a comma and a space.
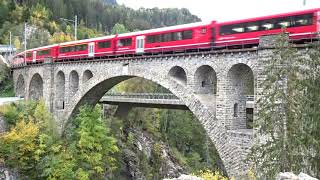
287, 176
291, 176
303, 176
186, 177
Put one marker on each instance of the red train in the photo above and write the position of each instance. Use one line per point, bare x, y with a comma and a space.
301, 25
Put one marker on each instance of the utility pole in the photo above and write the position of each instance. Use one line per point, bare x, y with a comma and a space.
75, 26
25, 42
10, 43
304, 2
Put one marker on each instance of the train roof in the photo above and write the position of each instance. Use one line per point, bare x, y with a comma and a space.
87, 40
183, 26
270, 16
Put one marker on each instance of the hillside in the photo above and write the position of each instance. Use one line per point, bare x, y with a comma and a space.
95, 18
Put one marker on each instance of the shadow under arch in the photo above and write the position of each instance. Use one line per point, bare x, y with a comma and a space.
240, 80
20, 87
178, 74
60, 90
36, 87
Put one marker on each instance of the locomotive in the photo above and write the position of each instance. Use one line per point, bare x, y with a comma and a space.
300, 25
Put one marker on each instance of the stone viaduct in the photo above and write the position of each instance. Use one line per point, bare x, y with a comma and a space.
213, 85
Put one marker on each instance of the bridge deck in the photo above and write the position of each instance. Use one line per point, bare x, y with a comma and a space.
152, 100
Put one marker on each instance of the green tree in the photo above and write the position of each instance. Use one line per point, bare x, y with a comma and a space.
92, 146
310, 114
285, 107
39, 15
119, 29
25, 145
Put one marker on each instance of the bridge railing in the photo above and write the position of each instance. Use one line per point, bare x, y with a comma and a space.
142, 96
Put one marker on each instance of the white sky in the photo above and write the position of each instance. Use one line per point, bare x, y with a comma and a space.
222, 10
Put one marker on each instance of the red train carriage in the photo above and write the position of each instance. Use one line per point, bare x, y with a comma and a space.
103, 46
175, 38
300, 25
73, 50
37, 55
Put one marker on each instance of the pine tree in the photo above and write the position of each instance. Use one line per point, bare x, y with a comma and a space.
278, 147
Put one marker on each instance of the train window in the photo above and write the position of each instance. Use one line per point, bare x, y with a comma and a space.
29, 54
284, 22
166, 37
124, 42
64, 49
150, 39
252, 26
267, 25
82, 47
187, 34
72, 48
104, 44
43, 52
158, 38
238, 29
302, 20
176, 36
232, 29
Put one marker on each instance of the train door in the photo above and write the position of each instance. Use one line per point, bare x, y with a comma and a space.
34, 57
140, 44
91, 49
213, 36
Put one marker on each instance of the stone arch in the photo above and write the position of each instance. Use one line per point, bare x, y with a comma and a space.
86, 76
240, 85
205, 80
36, 87
20, 86
94, 91
73, 82
178, 74
60, 90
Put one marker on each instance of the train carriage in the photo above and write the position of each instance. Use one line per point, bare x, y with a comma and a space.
301, 25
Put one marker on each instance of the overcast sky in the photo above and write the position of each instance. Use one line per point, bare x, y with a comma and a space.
223, 10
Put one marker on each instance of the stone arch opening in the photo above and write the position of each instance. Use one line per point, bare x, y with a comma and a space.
36, 87
20, 87
74, 82
239, 87
205, 80
178, 74
86, 76
96, 90
60, 90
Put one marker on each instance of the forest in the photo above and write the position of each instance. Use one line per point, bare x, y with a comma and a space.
45, 24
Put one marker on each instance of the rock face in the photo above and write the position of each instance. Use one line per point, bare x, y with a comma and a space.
2, 125
291, 176
7, 174
144, 144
